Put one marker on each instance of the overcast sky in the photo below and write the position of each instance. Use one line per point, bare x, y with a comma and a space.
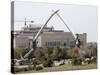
80, 18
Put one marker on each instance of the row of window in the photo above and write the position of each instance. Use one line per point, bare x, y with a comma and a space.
59, 43
55, 43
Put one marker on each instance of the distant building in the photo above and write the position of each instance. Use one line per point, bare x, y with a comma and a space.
83, 38
49, 37
92, 44
58, 38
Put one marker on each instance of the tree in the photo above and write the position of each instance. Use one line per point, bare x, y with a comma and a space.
64, 53
48, 63
57, 53
38, 53
18, 52
73, 52
44, 55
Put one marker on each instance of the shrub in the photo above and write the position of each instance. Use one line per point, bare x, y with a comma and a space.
48, 63
30, 68
45, 64
19, 51
39, 68
26, 69
94, 60
76, 61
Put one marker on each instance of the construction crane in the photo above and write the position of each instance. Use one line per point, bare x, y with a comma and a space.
25, 21
28, 55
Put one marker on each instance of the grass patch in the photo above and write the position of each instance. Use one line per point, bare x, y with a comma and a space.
64, 67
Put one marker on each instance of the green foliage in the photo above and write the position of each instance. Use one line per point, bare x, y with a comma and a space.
48, 63
56, 53
36, 62
64, 53
75, 56
39, 68
44, 55
18, 52
94, 60
38, 53
91, 51
76, 61
60, 53
74, 52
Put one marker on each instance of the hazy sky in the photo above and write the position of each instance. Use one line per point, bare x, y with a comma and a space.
80, 18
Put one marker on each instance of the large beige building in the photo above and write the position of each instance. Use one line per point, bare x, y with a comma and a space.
56, 39
49, 37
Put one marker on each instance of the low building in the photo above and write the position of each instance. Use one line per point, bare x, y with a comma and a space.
48, 37
51, 39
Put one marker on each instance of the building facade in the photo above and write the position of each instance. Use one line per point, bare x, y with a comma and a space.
51, 39
48, 37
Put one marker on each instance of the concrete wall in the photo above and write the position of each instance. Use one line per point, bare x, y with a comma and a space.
57, 39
